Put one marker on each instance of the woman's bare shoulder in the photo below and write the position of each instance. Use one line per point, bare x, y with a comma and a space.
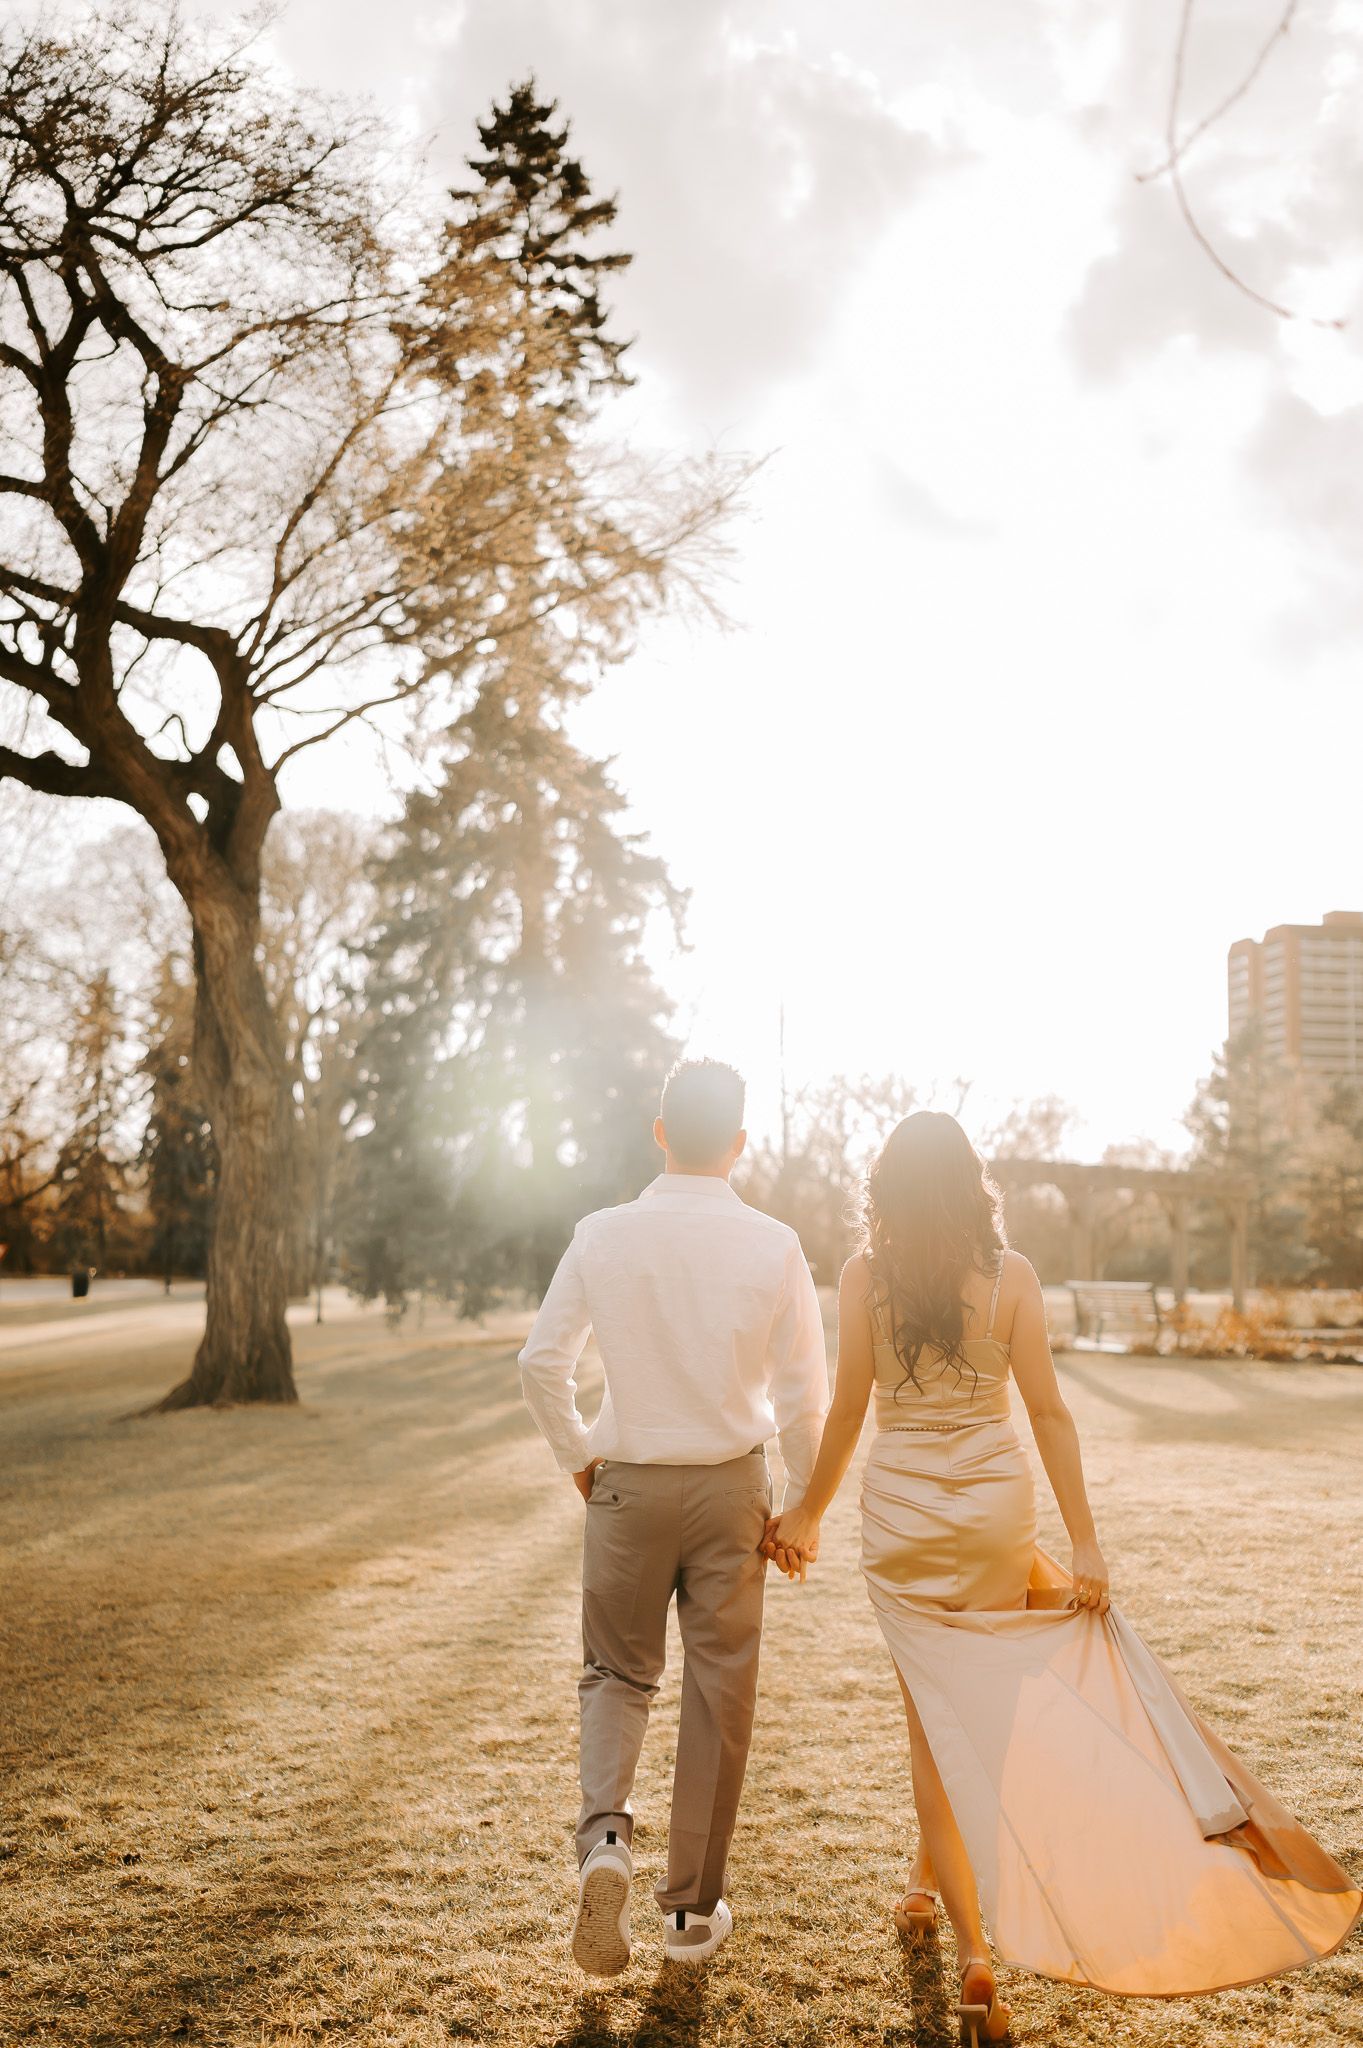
856, 1280
1020, 1282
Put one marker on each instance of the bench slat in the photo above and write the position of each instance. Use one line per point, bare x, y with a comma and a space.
1099, 1302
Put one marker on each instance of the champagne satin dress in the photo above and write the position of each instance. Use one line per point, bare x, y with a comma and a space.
1116, 1842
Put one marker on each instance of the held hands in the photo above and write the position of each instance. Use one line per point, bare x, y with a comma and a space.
791, 1541
583, 1480
1089, 1572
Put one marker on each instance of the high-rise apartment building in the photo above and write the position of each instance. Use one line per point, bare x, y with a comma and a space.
1303, 985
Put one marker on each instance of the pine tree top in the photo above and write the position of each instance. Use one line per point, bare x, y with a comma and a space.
534, 201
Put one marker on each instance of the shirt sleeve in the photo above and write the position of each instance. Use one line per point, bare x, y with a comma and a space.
549, 1361
799, 1376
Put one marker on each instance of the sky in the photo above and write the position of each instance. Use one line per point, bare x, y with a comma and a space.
1041, 683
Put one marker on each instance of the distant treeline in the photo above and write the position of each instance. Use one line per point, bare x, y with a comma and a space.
476, 1043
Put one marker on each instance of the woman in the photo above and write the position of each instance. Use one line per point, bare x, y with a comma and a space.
1056, 1768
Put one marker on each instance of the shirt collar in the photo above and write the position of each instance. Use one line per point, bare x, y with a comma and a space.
691, 1184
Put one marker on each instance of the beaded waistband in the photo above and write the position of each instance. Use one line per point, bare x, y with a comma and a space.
918, 1427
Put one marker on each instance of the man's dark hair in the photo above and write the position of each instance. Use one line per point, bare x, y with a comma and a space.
702, 1110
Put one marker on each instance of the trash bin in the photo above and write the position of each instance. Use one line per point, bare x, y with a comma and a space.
80, 1282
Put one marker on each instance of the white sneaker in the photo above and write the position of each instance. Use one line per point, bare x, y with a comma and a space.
693, 1937
601, 1929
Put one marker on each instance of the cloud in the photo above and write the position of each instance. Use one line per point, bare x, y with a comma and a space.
1156, 286
1311, 466
911, 504
1307, 468
754, 174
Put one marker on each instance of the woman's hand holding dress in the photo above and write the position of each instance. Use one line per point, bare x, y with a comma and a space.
1089, 1572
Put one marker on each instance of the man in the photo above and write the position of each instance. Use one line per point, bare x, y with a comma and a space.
711, 1340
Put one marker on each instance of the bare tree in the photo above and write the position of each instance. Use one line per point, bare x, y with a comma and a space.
318, 906
830, 1134
224, 437
29, 1048
28, 1126
196, 387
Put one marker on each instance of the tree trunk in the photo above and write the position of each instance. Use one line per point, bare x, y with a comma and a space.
535, 972
240, 1067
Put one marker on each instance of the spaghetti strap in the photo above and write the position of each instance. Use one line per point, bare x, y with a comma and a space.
994, 1297
878, 1328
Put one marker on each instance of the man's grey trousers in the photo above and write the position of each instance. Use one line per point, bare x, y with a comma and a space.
652, 1531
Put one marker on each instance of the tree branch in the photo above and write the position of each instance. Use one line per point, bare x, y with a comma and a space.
348, 717
51, 775
1175, 150
43, 682
1223, 107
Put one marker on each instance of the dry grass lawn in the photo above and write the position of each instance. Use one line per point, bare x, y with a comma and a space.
287, 1711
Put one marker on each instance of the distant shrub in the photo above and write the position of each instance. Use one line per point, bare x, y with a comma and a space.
1274, 1328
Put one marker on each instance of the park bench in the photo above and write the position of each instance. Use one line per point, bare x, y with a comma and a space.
1099, 1305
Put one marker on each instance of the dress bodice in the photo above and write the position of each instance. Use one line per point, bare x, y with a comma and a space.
947, 1395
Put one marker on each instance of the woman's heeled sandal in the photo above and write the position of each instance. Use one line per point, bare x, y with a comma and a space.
978, 2015
915, 1922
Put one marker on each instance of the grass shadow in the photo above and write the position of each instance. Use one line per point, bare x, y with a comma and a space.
674, 2009
672, 2015
931, 1997
1258, 1403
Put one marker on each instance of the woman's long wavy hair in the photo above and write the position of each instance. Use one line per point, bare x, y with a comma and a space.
931, 1214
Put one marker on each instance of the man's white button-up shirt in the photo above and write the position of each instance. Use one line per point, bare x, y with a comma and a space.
709, 1330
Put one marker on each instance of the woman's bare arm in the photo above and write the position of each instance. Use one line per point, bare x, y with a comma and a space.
797, 1533
1057, 1439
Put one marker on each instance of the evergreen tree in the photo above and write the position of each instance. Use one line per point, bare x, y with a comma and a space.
517, 1038
177, 1154
539, 519
534, 211
91, 1176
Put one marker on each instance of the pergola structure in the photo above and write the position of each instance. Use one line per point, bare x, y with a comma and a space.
1082, 1185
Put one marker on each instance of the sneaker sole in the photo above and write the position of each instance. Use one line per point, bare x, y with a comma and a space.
599, 1947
